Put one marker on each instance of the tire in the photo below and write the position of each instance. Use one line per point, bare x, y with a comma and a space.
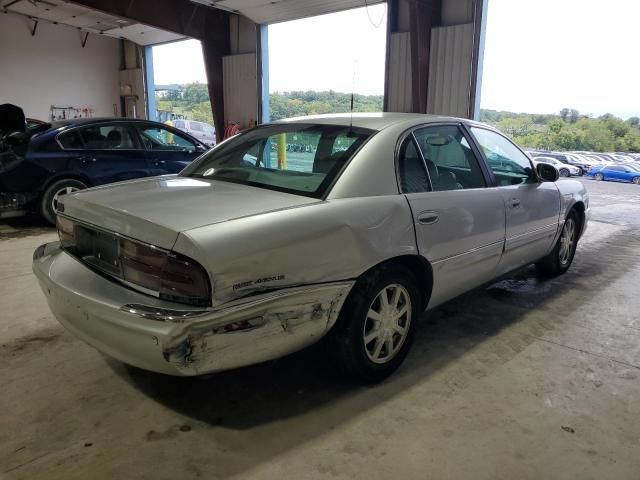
599, 177
561, 257
580, 171
564, 172
636, 180
389, 336
51, 194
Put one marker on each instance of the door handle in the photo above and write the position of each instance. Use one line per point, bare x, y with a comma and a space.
86, 160
515, 203
160, 162
428, 218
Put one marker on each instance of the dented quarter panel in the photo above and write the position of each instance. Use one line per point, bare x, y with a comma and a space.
329, 241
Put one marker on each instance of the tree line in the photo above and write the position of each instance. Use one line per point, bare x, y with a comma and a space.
566, 130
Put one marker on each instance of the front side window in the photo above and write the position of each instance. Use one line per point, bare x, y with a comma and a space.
159, 138
295, 158
441, 160
509, 165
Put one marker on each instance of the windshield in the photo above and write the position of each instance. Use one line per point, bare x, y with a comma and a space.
294, 158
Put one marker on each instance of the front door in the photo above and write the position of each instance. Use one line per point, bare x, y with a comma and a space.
459, 222
167, 150
532, 206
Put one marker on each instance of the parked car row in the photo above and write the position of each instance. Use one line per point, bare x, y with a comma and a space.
62, 157
601, 166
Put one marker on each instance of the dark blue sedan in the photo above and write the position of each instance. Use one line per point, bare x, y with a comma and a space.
616, 173
62, 157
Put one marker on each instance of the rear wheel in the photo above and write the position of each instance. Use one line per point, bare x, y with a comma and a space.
561, 257
636, 180
599, 177
52, 194
377, 324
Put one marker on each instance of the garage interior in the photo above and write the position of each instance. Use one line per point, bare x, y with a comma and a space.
527, 378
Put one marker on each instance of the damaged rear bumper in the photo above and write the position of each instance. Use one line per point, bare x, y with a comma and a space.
168, 338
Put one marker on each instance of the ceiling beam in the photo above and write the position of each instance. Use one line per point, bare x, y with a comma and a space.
209, 25
178, 16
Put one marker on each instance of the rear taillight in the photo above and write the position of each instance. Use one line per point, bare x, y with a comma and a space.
66, 232
167, 275
172, 276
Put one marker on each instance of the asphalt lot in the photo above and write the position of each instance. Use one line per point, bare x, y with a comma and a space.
528, 378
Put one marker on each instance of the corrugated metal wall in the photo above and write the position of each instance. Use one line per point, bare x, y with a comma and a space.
240, 88
450, 70
400, 73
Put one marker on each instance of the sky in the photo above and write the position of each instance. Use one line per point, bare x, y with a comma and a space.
544, 55
540, 55
325, 52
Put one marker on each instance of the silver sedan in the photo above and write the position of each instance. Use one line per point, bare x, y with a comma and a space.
256, 250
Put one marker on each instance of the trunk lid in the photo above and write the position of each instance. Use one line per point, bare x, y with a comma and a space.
155, 210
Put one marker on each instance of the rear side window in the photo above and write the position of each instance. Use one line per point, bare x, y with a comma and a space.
100, 137
413, 174
444, 155
71, 139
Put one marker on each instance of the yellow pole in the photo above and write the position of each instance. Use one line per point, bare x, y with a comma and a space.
282, 151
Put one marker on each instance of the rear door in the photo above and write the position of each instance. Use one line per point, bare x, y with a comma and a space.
532, 206
459, 221
167, 150
104, 152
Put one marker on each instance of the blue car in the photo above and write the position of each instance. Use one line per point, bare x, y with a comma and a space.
65, 156
616, 173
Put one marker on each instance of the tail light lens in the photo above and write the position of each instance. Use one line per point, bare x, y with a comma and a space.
66, 232
167, 275
174, 277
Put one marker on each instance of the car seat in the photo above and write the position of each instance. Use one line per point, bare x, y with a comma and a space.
114, 139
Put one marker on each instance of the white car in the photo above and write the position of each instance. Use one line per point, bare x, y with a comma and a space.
253, 252
564, 169
204, 132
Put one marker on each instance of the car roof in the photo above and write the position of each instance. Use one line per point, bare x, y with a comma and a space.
374, 120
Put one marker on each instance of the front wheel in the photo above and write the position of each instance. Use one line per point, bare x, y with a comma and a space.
599, 177
52, 194
564, 172
636, 180
377, 324
561, 257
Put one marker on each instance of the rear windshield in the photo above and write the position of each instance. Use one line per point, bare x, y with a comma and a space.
295, 158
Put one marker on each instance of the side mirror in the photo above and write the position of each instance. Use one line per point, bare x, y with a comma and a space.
548, 173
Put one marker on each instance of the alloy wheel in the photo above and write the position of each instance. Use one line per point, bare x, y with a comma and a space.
567, 240
387, 324
59, 193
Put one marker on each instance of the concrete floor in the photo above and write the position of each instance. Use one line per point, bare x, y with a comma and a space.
525, 379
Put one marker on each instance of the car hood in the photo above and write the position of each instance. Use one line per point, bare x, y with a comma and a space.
155, 210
